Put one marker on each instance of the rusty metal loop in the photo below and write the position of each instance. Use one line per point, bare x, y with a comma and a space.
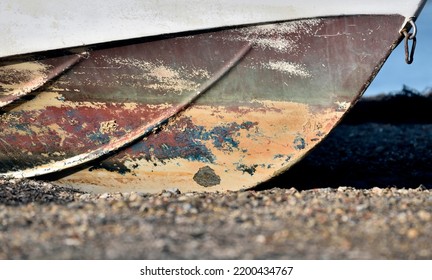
414, 27
409, 54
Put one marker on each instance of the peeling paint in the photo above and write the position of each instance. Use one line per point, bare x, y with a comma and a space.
225, 109
18, 79
159, 76
247, 169
108, 127
343, 105
299, 143
279, 37
289, 68
169, 158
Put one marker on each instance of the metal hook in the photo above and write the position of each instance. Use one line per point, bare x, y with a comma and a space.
409, 54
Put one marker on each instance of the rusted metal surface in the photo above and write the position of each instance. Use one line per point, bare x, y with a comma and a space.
210, 111
19, 78
69, 133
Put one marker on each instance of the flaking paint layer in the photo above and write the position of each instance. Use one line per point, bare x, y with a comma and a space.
256, 119
248, 154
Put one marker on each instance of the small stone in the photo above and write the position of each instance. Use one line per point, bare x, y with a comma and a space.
72, 242
143, 194
260, 239
206, 177
166, 194
85, 196
183, 198
412, 233
243, 196
403, 191
376, 190
104, 195
402, 217
143, 208
173, 191
292, 191
117, 195
187, 206
133, 196
424, 215
361, 207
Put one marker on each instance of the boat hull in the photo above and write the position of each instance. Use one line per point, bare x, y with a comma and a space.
207, 111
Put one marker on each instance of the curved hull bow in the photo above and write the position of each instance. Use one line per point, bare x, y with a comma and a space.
205, 111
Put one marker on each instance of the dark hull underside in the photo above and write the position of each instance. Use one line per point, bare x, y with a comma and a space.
212, 111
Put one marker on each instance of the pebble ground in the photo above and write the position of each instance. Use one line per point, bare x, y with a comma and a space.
39, 220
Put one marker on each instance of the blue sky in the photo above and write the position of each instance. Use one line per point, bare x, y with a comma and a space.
396, 73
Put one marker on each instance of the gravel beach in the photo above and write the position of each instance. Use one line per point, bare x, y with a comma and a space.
364, 193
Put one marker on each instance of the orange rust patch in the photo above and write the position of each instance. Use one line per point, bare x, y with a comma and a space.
285, 131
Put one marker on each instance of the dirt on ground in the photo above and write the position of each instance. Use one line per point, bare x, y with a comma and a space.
364, 193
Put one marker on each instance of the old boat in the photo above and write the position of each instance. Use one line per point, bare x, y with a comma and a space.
198, 95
